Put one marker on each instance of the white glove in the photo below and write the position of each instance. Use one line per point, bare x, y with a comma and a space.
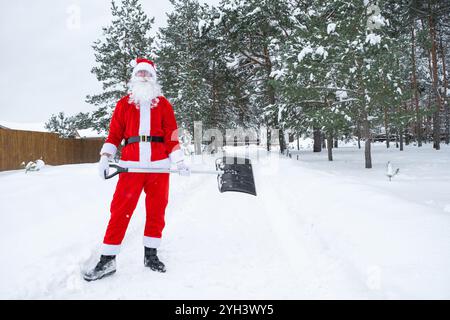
103, 166
183, 168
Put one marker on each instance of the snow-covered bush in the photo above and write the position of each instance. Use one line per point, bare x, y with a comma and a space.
34, 165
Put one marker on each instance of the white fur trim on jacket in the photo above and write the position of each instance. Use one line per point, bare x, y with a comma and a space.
151, 242
145, 148
109, 148
110, 249
176, 156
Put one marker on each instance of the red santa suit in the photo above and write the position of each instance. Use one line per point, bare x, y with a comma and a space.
156, 119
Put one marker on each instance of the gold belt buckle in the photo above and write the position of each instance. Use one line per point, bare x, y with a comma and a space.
143, 138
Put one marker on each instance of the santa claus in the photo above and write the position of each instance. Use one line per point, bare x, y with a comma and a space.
145, 120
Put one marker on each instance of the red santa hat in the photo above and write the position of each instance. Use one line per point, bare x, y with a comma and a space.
140, 64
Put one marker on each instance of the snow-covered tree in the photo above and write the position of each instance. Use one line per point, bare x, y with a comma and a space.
178, 57
127, 38
340, 65
254, 29
64, 126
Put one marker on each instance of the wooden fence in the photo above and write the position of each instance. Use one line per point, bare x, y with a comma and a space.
17, 146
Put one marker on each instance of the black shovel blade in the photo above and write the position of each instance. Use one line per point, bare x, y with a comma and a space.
237, 176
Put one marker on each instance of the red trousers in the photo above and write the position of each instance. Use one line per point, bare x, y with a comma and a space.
128, 190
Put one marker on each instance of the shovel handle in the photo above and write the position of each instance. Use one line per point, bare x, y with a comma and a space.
120, 169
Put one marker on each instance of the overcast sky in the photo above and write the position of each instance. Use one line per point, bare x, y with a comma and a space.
46, 56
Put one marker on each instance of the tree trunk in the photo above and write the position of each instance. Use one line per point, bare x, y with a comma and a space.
324, 138
271, 97
317, 135
428, 121
428, 135
386, 130
336, 143
397, 139
330, 146
401, 139
368, 140
446, 106
358, 125
269, 139
298, 142
282, 140
437, 99
415, 89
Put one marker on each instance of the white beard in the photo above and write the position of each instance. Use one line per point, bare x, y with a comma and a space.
143, 92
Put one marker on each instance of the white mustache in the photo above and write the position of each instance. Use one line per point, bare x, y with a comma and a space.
143, 79
143, 91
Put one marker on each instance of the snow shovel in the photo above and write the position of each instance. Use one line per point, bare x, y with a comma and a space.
233, 174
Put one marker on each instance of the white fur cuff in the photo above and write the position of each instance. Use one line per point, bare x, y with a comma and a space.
110, 249
109, 148
151, 242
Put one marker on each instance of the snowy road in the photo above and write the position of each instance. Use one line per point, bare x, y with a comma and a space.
315, 230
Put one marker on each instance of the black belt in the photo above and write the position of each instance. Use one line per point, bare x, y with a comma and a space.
144, 139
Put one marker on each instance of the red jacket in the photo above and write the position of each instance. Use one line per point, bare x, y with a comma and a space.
129, 120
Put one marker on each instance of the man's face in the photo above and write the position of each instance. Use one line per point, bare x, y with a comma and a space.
143, 75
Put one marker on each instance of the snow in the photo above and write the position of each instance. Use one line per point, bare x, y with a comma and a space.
27, 126
277, 74
331, 27
341, 95
201, 26
312, 13
304, 52
90, 133
317, 229
257, 10
218, 20
322, 52
373, 38
378, 21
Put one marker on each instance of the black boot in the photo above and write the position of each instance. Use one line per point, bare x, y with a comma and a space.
105, 267
151, 260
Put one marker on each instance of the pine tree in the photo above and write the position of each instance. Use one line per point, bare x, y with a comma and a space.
64, 126
254, 30
178, 59
339, 53
123, 41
